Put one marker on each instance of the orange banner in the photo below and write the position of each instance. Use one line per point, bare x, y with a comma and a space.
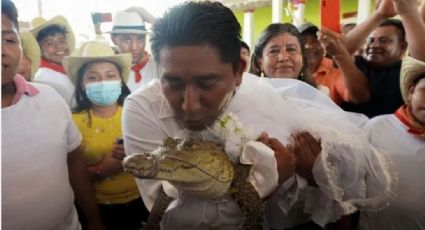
330, 14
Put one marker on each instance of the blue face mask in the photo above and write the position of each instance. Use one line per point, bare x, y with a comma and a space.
104, 93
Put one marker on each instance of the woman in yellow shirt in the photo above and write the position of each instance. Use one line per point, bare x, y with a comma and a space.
99, 77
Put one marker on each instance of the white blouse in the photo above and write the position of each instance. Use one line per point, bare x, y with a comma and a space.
407, 151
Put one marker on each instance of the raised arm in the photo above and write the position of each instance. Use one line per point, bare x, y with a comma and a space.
356, 83
422, 10
414, 26
354, 39
144, 14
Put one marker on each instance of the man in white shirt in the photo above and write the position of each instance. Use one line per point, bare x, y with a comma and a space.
402, 134
129, 35
197, 46
42, 166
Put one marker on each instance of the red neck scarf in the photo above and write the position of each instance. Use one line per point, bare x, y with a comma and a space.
404, 114
51, 65
136, 68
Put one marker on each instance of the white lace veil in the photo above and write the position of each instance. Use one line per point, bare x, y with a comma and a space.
350, 173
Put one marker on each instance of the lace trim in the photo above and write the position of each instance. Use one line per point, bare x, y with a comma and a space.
352, 205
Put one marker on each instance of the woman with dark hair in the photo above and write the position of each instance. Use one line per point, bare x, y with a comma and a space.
279, 53
99, 77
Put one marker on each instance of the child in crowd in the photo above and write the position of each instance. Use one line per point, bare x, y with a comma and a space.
56, 41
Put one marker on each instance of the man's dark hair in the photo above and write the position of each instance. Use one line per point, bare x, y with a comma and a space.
50, 30
270, 32
8, 8
398, 25
244, 45
199, 23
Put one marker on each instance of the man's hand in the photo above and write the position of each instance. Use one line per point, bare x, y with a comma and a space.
385, 9
306, 149
403, 7
284, 158
332, 42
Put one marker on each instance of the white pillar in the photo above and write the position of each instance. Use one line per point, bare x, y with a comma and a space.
248, 28
299, 15
277, 7
363, 10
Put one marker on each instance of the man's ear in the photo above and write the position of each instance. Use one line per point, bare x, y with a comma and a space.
240, 70
403, 46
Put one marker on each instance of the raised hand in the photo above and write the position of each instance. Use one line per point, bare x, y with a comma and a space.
403, 7
385, 8
145, 15
332, 42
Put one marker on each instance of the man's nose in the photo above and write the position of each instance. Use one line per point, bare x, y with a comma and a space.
134, 45
191, 100
374, 43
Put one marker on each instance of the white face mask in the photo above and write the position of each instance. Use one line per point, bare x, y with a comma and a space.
104, 93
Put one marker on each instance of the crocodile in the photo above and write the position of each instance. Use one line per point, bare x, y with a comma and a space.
200, 168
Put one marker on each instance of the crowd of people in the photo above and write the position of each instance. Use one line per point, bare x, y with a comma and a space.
333, 125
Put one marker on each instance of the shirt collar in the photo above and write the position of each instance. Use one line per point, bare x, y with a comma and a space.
165, 110
22, 88
324, 65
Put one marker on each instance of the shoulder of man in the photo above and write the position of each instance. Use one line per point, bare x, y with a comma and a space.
151, 92
49, 95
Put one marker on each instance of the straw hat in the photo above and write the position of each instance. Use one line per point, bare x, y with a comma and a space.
128, 23
31, 49
39, 23
94, 51
411, 69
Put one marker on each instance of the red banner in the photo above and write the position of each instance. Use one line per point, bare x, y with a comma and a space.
330, 14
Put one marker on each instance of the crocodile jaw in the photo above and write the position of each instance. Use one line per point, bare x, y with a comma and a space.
142, 165
186, 176
172, 168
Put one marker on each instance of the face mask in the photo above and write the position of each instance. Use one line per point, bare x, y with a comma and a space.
104, 93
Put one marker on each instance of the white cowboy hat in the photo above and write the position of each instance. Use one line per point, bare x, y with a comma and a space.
30, 49
128, 23
39, 23
411, 69
94, 51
